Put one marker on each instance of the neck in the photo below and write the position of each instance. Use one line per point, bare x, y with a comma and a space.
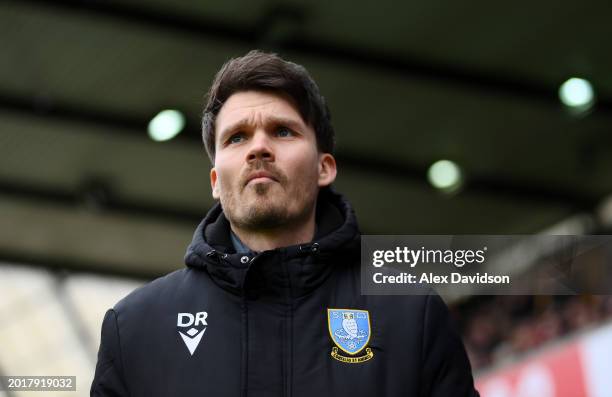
262, 240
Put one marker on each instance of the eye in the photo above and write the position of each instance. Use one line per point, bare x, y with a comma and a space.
236, 138
284, 132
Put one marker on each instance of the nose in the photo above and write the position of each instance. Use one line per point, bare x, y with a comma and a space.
261, 148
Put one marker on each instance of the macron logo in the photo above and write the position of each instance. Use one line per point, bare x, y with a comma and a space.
196, 325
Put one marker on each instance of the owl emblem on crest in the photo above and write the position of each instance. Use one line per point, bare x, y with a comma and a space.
350, 331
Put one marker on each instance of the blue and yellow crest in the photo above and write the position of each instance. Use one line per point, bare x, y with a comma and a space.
350, 331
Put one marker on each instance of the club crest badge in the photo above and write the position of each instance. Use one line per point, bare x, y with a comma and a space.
350, 331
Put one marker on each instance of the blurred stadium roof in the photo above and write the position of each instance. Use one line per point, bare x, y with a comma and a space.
409, 83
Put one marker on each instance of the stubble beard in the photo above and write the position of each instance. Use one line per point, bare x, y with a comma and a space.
264, 212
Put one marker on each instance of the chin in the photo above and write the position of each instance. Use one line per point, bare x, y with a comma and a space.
262, 188
263, 217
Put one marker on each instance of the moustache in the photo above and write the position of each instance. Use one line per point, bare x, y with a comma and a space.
261, 166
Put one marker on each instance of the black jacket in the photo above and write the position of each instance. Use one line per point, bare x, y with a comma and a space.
258, 325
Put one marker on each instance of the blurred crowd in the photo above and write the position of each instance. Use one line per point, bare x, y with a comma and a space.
499, 328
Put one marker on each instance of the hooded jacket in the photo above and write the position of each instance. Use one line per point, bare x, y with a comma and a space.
288, 322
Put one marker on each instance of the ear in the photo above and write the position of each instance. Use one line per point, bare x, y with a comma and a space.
214, 183
327, 169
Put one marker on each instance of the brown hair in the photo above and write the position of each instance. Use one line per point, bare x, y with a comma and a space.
262, 71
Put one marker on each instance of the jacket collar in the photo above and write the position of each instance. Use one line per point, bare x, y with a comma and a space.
298, 268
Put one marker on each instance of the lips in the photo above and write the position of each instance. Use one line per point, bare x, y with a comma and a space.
260, 176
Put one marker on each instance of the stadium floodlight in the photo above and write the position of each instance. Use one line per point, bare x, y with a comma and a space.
445, 175
166, 125
577, 94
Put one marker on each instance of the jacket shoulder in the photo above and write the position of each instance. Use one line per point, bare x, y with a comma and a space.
156, 291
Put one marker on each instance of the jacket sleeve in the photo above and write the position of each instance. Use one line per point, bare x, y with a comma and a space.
446, 368
109, 376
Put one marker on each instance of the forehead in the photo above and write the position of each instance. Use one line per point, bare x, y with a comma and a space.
248, 106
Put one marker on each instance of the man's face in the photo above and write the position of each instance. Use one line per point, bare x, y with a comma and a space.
267, 170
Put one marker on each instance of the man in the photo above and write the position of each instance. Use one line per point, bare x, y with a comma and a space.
270, 304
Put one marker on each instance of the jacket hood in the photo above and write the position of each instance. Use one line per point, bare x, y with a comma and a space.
337, 237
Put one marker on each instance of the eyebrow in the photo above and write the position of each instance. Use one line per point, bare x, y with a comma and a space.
274, 120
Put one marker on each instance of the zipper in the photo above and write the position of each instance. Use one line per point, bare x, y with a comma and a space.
287, 336
287, 347
244, 347
288, 333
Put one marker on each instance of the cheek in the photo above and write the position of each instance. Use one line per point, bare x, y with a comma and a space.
307, 172
227, 174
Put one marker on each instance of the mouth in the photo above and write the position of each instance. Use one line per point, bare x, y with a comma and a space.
260, 177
